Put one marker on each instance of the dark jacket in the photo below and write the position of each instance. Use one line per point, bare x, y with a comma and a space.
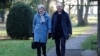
66, 24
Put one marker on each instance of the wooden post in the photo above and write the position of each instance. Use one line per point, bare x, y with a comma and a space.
98, 27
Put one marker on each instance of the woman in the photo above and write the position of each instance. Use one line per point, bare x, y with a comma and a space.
41, 29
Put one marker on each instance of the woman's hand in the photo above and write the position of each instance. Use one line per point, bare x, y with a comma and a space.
49, 35
33, 35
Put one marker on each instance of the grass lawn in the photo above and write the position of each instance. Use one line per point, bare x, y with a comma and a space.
3, 33
87, 43
79, 30
19, 47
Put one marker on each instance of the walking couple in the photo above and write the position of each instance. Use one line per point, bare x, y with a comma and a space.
58, 27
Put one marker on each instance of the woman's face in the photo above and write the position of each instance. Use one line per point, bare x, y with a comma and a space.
41, 10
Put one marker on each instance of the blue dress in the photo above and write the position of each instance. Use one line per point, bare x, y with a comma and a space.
41, 30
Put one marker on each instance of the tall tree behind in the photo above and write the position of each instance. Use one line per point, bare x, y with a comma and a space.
80, 13
98, 27
41, 1
63, 3
34, 4
47, 5
86, 12
4, 4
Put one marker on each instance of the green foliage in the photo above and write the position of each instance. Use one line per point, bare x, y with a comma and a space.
5, 4
87, 44
34, 4
19, 21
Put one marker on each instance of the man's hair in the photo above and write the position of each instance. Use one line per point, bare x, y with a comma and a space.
59, 4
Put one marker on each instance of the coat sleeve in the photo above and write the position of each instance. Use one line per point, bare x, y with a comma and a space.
34, 23
69, 25
49, 24
52, 26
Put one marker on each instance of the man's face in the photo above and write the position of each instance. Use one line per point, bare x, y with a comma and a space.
59, 8
41, 10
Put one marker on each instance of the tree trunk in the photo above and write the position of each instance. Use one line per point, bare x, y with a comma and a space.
63, 4
2, 16
86, 12
47, 5
99, 27
80, 14
41, 1
80, 18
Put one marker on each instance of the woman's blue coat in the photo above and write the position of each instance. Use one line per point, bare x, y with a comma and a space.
41, 30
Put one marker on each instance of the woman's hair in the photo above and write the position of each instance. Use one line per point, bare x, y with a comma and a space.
41, 6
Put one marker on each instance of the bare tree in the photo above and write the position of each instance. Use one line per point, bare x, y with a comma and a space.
86, 12
80, 13
63, 3
41, 1
47, 5
98, 27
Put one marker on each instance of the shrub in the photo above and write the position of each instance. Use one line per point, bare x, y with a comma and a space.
19, 21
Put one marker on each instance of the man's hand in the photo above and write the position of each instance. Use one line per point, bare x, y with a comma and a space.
70, 35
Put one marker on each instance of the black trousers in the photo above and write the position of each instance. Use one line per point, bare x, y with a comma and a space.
60, 42
39, 47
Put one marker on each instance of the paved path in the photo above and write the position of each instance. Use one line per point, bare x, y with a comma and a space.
2, 27
3, 36
73, 45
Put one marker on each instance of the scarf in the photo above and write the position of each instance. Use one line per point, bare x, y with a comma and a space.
42, 18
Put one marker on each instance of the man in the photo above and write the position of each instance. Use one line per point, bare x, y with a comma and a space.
61, 29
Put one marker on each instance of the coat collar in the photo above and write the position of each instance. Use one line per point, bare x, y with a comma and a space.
62, 16
63, 12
